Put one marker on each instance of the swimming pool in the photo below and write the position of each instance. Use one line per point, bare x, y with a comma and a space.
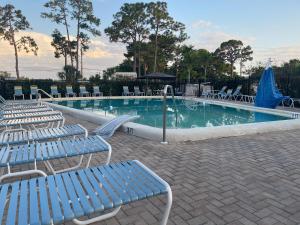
180, 114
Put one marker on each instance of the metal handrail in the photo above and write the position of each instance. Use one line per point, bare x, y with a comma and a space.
165, 91
44, 92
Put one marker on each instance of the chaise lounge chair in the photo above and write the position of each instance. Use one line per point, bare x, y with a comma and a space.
48, 120
34, 92
96, 91
83, 92
54, 91
22, 136
219, 94
18, 92
108, 129
69, 196
226, 95
11, 156
22, 115
70, 91
43, 108
236, 94
137, 91
126, 91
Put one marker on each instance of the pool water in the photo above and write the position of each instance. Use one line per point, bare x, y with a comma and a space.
181, 114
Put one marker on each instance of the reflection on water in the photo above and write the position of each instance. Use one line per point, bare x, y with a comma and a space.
189, 113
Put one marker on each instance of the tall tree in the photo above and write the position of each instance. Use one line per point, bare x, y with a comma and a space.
82, 13
130, 27
162, 24
232, 50
59, 13
61, 45
84, 43
245, 56
11, 22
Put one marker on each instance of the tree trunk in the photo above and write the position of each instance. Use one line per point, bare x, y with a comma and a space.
81, 62
78, 37
155, 50
66, 60
139, 71
16, 55
134, 61
231, 69
68, 36
205, 73
241, 68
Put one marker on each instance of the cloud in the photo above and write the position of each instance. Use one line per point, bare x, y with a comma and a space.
102, 54
207, 35
278, 54
202, 24
211, 40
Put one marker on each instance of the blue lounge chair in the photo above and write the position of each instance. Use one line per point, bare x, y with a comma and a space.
96, 91
54, 91
83, 92
236, 94
69, 196
18, 92
26, 110
70, 91
7, 103
22, 115
22, 136
34, 92
126, 91
137, 91
220, 93
48, 120
108, 129
11, 156
226, 95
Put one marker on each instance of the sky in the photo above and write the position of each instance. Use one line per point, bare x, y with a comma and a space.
271, 27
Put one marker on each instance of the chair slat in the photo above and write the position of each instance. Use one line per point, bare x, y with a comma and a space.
45, 214
56, 210
68, 214
12, 210
73, 197
93, 197
23, 210
33, 199
80, 192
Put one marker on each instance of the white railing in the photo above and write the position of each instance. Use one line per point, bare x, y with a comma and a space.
165, 92
45, 93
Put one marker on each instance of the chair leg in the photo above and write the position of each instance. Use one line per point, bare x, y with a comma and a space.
98, 218
53, 171
22, 173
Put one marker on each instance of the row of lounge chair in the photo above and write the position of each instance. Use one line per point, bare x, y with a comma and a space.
32, 133
18, 92
229, 94
136, 92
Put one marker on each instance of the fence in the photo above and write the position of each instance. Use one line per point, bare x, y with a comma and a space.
288, 85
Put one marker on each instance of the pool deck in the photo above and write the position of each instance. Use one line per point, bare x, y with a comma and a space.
247, 180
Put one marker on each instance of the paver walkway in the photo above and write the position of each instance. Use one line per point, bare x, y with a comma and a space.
238, 180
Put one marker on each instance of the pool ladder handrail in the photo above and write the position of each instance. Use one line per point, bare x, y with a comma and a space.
165, 92
45, 93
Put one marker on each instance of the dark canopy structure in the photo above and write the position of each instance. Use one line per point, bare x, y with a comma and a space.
157, 75
268, 95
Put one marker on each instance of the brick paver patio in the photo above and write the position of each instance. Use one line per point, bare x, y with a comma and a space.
238, 180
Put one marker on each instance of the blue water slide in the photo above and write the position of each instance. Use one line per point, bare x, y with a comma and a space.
268, 95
